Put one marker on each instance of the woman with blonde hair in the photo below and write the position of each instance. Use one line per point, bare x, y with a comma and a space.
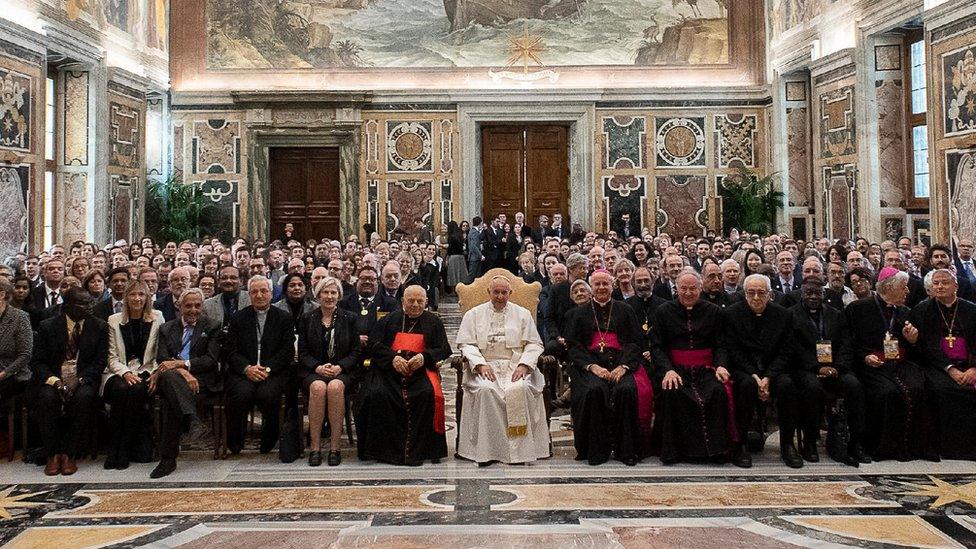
129, 378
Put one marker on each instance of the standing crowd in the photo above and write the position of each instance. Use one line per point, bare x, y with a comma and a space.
673, 347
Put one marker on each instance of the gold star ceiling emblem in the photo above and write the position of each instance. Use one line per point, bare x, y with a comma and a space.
524, 49
944, 493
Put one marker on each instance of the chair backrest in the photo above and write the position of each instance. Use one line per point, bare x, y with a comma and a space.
476, 293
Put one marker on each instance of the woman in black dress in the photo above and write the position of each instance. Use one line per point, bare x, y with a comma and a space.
328, 352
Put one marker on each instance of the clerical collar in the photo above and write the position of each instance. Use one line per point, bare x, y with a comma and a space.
947, 307
598, 304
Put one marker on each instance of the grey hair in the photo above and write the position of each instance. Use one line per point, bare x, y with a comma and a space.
757, 276
623, 263
259, 278
689, 271
729, 262
576, 259
580, 282
931, 275
326, 282
885, 286
194, 291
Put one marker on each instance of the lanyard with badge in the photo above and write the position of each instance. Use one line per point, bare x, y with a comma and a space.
825, 351
890, 344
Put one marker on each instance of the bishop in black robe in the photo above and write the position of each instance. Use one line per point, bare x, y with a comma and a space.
400, 418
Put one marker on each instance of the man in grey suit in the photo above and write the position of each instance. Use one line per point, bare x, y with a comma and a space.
230, 299
474, 248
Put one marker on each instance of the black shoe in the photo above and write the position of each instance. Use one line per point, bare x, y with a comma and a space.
741, 457
791, 457
857, 454
197, 432
486, 463
315, 458
810, 453
122, 465
629, 462
335, 458
266, 448
165, 467
109, 464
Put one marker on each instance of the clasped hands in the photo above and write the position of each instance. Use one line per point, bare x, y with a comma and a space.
613, 376
328, 371
962, 378
487, 372
673, 381
180, 367
406, 367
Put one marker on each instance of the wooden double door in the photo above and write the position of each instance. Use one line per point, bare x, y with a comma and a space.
305, 192
525, 168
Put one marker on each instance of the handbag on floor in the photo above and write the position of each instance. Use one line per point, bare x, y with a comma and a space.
291, 446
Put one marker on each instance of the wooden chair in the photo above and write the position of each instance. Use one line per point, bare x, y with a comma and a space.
526, 295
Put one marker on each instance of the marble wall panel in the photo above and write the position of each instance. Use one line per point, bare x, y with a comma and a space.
14, 223
178, 154
155, 137
681, 199
447, 131
887, 57
624, 142
894, 227
798, 149
373, 202
409, 146
125, 124
796, 91
840, 207
735, 141
625, 194
961, 177
959, 95
216, 147
73, 206
407, 202
838, 130
75, 118
123, 206
891, 142
224, 210
447, 199
15, 110
680, 142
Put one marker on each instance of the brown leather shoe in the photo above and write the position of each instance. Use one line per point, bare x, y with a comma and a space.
53, 466
68, 467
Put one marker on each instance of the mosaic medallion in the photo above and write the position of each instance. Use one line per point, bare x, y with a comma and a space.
680, 142
409, 146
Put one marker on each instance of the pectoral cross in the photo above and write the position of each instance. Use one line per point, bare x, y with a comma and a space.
951, 340
603, 344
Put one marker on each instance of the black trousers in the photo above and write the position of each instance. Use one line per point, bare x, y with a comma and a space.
813, 393
745, 392
179, 410
130, 420
242, 394
65, 426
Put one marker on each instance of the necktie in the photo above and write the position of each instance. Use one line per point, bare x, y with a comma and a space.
968, 267
187, 336
786, 287
72, 350
54, 299
365, 302
118, 306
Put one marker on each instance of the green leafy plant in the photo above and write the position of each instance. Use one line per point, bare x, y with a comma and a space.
176, 211
750, 203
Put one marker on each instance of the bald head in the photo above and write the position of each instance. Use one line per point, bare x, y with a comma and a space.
414, 300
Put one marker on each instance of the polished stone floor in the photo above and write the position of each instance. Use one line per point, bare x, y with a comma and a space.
253, 501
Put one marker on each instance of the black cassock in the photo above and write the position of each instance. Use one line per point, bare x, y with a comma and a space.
897, 416
939, 348
400, 420
694, 419
605, 414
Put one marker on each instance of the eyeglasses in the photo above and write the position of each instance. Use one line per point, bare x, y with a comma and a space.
757, 293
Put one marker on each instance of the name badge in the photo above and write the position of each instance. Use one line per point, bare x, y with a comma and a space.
891, 351
825, 353
380, 315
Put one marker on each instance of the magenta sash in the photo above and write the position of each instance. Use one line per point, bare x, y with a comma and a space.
958, 351
645, 409
703, 358
610, 341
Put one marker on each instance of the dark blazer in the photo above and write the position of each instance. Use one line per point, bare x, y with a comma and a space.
277, 342
559, 232
831, 297
663, 290
311, 342
51, 344
778, 286
39, 297
539, 235
916, 291
558, 304
167, 306
380, 304
806, 334
474, 245
103, 309
633, 229
765, 354
204, 349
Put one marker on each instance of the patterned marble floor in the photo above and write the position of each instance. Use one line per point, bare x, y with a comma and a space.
254, 502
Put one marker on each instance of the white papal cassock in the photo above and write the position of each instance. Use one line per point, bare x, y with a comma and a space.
501, 420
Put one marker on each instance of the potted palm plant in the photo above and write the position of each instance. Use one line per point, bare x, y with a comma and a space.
750, 202
176, 211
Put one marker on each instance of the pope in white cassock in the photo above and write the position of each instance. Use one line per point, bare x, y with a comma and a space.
503, 417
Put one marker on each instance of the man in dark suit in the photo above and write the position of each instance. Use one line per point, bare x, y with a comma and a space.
70, 354
542, 231
475, 253
560, 302
626, 228
262, 345
368, 305
666, 289
492, 245
785, 280
392, 280
558, 230
179, 280
940, 257
48, 293
187, 354
117, 278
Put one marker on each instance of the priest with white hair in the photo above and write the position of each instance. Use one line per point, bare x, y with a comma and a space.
503, 418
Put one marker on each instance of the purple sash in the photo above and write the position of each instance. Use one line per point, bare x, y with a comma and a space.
702, 358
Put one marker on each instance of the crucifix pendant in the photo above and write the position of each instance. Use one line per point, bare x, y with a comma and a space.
951, 340
602, 344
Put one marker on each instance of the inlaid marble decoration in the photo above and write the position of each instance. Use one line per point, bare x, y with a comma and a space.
225, 207
680, 201
891, 142
155, 136
447, 200
15, 110
680, 142
409, 146
373, 202
122, 206
894, 227
216, 147
73, 206
799, 226
178, 155
371, 129
961, 176
798, 149
735, 140
117, 13
407, 201
14, 189
923, 231
839, 186
887, 57
838, 131
624, 142
124, 123
796, 91
625, 194
959, 83
75, 117
447, 145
